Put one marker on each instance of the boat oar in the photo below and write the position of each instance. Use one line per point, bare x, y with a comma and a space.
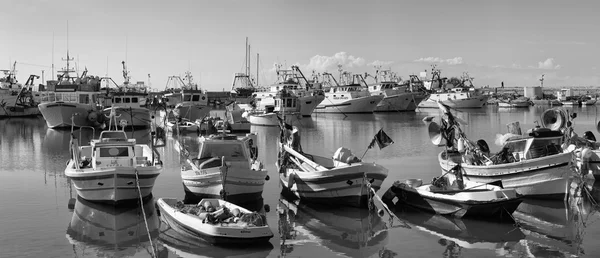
491, 183
455, 167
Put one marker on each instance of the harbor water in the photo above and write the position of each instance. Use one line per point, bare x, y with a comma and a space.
42, 216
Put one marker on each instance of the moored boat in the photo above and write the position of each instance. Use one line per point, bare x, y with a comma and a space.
219, 225
455, 96
72, 101
294, 82
286, 105
351, 97
113, 168
227, 166
514, 103
458, 198
25, 103
341, 180
534, 165
397, 97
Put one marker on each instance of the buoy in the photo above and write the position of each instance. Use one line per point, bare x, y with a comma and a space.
461, 145
380, 212
267, 178
267, 208
71, 204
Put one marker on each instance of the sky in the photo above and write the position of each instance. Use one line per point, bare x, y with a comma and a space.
514, 42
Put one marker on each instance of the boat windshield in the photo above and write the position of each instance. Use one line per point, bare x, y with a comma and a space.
231, 151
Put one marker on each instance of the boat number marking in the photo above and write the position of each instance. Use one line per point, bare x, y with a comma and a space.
340, 97
114, 163
201, 172
245, 231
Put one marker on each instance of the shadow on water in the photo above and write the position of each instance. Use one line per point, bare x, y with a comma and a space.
111, 231
456, 234
184, 244
345, 231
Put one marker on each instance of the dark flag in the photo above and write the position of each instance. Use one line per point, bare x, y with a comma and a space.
382, 140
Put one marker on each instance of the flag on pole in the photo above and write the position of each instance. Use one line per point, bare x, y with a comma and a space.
382, 140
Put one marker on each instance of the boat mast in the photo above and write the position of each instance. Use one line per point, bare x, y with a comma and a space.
52, 56
257, 56
246, 56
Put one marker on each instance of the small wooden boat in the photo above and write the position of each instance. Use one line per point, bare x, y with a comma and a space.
341, 180
445, 197
517, 103
213, 227
183, 126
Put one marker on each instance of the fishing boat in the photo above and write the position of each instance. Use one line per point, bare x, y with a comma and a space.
286, 106
294, 82
350, 96
23, 103
514, 103
464, 232
227, 166
242, 89
241, 227
534, 165
70, 96
458, 96
182, 126
458, 198
588, 101
341, 180
236, 123
396, 97
113, 168
194, 101
129, 101
347, 231
112, 231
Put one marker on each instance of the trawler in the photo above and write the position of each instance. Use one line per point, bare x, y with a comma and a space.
70, 96
350, 97
454, 96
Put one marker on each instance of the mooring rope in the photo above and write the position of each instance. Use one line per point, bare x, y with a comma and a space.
137, 183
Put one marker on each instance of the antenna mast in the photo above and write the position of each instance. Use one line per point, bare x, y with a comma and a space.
257, 56
246, 56
52, 56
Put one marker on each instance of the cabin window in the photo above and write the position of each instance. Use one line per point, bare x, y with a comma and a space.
127, 100
195, 97
134, 100
230, 152
342, 95
84, 99
117, 100
187, 98
114, 152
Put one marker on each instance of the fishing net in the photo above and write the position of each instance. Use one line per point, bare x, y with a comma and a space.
188, 208
254, 219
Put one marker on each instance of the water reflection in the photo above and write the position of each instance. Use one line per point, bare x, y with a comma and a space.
553, 228
20, 140
456, 234
183, 244
99, 230
348, 231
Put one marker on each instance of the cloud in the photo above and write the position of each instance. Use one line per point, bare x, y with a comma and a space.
382, 63
452, 61
324, 63
548, 64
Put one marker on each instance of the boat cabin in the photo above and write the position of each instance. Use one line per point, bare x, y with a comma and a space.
233, 149
532, 147
114, 149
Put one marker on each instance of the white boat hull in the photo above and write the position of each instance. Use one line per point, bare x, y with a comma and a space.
242, 185
399, 102
192, 112
474, 102
545, 177
513, 104
309, 103
58, 114
359, 105
12, 111
113, 185
340, 185
270, 119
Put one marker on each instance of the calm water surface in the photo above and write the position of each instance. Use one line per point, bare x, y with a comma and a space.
36, 221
